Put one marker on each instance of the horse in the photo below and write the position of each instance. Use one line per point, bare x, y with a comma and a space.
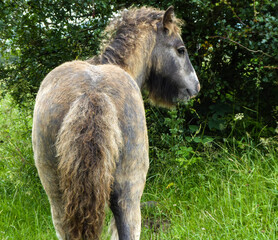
89, 131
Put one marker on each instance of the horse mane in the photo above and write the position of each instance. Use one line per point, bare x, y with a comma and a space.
126, 31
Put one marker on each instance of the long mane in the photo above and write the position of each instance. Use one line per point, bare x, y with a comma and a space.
125, 32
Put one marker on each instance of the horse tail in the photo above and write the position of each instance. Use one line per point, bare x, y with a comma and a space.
87, 147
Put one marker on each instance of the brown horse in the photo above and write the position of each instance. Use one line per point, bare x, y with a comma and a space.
89, 131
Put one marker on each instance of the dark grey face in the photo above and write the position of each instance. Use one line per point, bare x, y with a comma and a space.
172, 77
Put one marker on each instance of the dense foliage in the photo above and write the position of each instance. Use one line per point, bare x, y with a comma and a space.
37, 36
233, 46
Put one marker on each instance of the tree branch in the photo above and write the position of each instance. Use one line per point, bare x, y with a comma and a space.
248, 49
271, 67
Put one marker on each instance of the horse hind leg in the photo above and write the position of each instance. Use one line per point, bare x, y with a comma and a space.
127, 219
129, 183
50, 182
125, 205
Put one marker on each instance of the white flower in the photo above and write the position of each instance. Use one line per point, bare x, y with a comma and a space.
239, 116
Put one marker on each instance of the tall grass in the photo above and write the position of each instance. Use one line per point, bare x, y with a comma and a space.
24, 210
231, 193
228, 195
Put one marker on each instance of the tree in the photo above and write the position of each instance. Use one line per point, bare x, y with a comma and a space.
37, 36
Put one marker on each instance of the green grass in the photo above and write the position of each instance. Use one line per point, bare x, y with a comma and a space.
227, 196
232, 193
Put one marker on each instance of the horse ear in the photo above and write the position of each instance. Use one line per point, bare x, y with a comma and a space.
168, 17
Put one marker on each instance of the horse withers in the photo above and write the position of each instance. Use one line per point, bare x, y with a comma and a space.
89, 130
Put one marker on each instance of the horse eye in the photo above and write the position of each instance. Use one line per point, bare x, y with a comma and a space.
181, 50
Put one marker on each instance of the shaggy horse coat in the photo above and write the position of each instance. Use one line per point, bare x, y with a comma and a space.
89, 129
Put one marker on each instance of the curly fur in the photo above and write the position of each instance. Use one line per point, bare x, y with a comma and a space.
87, 151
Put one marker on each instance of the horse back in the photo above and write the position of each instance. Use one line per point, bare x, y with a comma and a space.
65, 84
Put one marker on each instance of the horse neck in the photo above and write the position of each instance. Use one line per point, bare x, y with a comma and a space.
138, 64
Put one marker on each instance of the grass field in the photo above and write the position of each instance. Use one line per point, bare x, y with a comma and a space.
230, 194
